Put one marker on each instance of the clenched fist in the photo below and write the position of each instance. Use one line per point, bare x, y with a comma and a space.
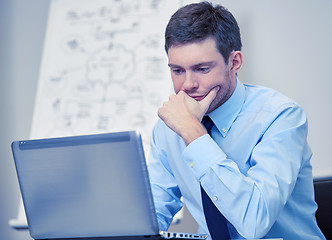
183, 114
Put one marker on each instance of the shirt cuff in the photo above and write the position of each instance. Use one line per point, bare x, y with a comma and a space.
201, 154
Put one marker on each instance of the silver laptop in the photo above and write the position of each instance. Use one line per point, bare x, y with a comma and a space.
88, 187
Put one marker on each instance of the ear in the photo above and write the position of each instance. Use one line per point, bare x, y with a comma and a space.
235, 61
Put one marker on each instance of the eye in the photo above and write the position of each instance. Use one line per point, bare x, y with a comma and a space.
177, 70
203, 69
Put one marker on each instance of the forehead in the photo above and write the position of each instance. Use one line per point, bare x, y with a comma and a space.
194, 53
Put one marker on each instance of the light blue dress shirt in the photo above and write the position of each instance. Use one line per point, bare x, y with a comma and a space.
256, 168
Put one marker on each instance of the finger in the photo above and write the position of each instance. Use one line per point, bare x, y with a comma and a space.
205, 102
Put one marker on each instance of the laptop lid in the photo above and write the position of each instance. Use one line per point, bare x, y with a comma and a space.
85, 186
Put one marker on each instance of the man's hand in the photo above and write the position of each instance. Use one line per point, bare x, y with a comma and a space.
183, 114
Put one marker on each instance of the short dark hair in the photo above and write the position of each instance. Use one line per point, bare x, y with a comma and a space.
198, 21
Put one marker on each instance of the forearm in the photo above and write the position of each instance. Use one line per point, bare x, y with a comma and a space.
165, 190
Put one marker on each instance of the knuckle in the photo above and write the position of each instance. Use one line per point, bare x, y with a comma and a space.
172, 97
160, 112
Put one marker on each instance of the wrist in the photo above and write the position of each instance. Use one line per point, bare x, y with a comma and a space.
192, 131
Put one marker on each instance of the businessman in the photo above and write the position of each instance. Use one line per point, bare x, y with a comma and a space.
236, 153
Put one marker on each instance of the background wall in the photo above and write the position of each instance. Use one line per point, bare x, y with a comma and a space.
22, 29
286, 45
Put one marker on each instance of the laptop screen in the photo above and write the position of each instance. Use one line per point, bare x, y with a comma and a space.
85, 186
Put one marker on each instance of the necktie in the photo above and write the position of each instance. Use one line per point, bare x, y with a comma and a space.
216, 222
208, 124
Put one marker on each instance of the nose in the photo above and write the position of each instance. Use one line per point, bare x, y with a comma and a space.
190, 83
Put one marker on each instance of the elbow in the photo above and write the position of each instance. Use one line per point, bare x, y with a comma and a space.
257, 218
256, 229
256, 224
254, 232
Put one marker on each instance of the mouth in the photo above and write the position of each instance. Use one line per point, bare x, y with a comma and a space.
198, 98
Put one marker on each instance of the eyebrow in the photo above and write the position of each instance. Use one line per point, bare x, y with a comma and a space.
211, 63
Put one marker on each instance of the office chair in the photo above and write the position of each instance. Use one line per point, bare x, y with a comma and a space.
323, 197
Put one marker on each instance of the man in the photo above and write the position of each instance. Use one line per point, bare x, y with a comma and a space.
254, 164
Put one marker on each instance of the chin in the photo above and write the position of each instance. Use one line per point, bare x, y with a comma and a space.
215, 104
211, 108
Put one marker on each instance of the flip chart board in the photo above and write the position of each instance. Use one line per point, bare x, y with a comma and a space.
103, 69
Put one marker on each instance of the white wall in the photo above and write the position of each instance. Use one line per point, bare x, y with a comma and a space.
286, 44
22, 28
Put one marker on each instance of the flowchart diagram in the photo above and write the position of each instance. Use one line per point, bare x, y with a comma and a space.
104, 67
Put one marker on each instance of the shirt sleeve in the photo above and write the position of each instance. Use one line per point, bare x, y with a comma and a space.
251, 201
166, 193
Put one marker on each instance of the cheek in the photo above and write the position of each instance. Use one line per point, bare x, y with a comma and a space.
219, 96
176, 84
217, 101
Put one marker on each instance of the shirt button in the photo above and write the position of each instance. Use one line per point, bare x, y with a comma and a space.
215, 198
191, 164
223, 130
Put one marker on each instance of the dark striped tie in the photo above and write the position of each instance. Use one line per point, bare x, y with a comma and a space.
216, 222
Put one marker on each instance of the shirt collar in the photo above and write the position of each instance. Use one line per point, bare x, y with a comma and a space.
224, 116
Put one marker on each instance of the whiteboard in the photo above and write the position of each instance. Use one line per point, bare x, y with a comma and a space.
103, 69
